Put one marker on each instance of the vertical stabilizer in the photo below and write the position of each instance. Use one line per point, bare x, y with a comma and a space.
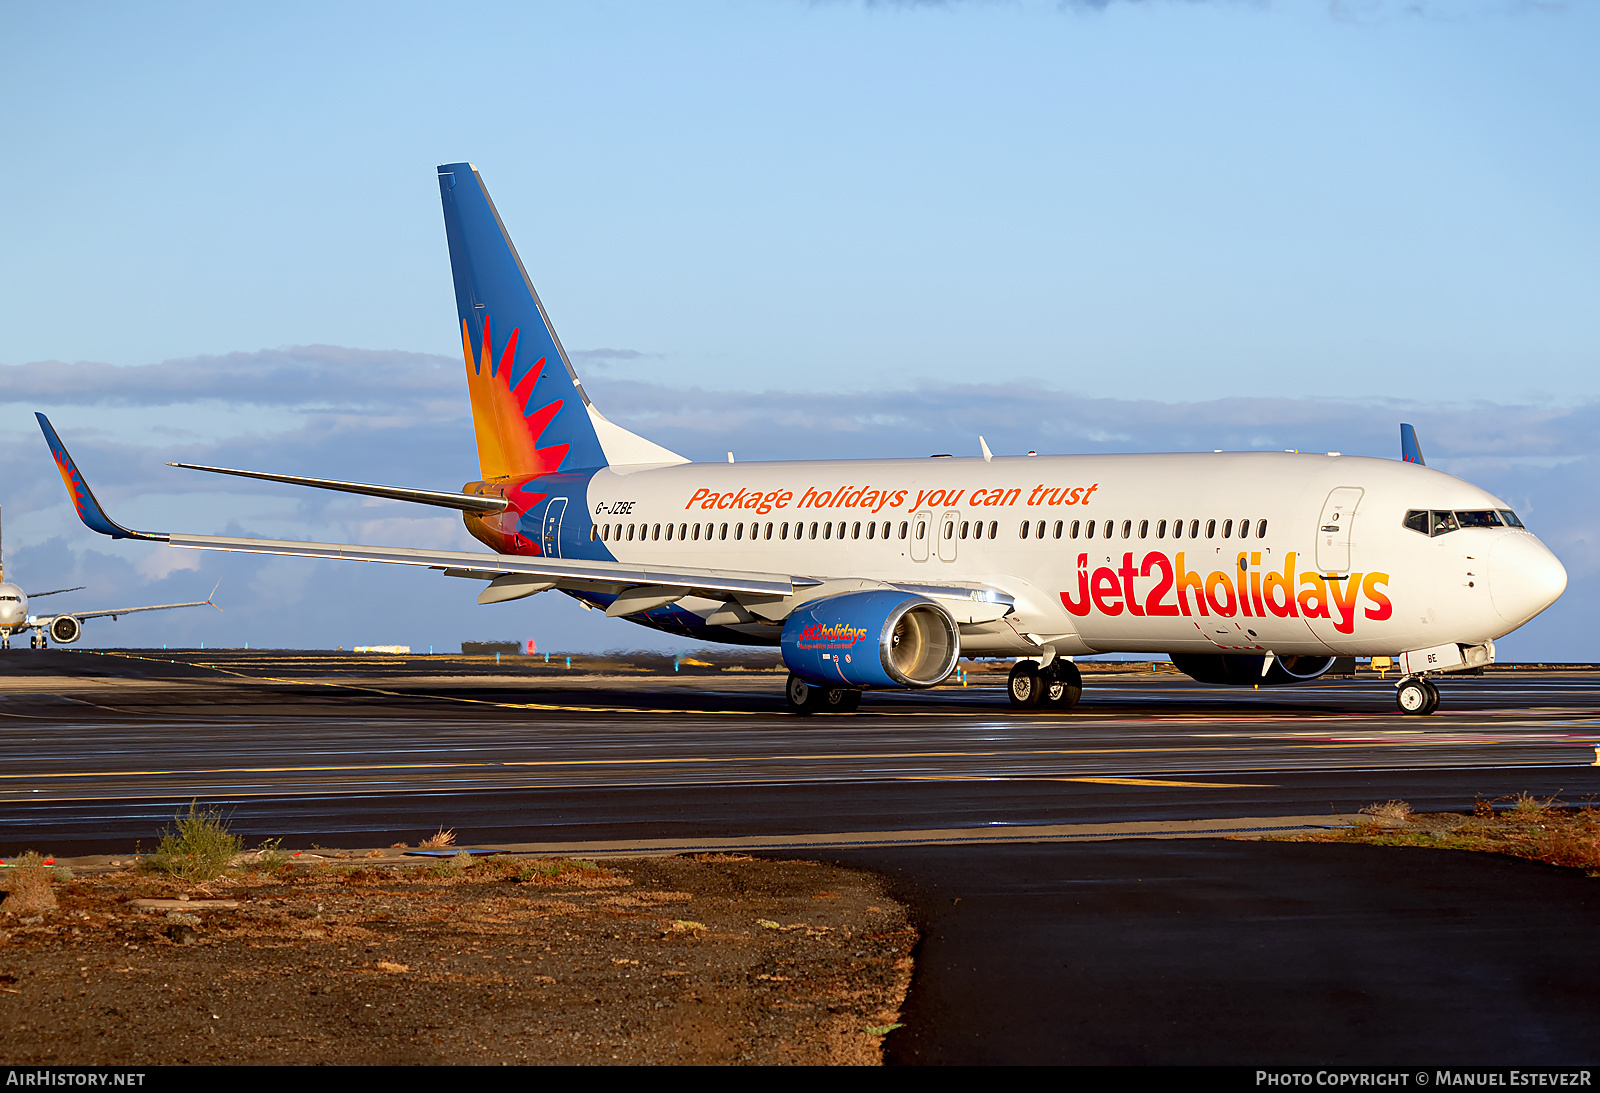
1410, 450
529, 409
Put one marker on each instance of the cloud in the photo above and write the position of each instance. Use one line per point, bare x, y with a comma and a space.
603, 358
402, 418
301, 376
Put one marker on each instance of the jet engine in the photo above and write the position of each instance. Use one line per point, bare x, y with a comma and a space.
883, 638
1244, 669
65, 630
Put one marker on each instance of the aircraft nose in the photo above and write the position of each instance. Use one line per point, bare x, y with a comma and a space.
1524, 578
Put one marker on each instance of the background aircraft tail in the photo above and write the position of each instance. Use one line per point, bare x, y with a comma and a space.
1410, 450
529, 408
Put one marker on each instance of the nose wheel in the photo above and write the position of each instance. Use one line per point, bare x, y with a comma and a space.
1417, 696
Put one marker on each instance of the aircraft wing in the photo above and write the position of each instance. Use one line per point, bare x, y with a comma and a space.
639, 586
561, 571
565, 572
46, 620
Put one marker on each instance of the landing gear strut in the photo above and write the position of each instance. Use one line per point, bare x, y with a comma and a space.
806, 698
1417, 695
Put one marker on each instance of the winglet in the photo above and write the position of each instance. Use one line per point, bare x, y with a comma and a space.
89, 511
1410, 450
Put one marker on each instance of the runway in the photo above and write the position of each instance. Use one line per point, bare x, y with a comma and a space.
308, 747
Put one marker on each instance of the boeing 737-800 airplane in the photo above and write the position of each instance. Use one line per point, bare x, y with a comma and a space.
64, 628
1247, 568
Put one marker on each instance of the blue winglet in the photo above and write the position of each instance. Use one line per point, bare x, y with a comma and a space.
89, 511
1410, 450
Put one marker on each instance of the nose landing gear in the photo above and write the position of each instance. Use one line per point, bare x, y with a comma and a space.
1417, 695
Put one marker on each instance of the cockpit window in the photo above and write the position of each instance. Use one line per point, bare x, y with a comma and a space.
1437, 522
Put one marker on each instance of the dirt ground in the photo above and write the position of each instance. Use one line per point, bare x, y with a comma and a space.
705, 959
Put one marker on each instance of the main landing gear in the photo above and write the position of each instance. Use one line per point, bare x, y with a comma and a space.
1056, 686
806, 697
1417, 695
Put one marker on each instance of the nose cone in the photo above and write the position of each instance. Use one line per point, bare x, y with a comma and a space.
1524, 578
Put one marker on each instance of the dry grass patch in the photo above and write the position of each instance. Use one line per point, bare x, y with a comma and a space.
440, 840
1544, 830
28, 886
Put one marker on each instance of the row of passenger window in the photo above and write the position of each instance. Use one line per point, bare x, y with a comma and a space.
871, 529
1439, 522
1108, 529
825, 529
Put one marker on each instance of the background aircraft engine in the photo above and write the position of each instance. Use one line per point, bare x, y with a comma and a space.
1244, 670
871, 639
65, 630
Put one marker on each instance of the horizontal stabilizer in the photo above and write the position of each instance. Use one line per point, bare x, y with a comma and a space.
56, 591
462, 501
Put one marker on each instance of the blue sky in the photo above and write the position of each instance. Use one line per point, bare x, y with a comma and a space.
795, 226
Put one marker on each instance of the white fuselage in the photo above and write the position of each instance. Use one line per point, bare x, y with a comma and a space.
1369, 585
13, 607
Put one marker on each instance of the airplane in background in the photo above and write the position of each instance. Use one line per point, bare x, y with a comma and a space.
64, 628
1247, 568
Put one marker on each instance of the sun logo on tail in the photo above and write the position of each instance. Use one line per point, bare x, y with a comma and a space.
508, 432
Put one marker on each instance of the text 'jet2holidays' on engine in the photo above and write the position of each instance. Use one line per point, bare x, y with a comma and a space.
1246, 568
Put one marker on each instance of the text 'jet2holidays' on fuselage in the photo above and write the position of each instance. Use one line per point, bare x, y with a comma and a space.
1247, 568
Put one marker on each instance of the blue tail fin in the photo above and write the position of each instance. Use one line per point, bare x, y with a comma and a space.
529, 409
1410, 450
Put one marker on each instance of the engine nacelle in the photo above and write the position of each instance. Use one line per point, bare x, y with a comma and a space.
1244, 669
65, 630
884, 638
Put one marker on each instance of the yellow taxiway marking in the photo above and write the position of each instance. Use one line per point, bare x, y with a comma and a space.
238, 770
1160, 782
1065, 778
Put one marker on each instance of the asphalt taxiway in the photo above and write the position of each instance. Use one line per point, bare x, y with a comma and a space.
962, 800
